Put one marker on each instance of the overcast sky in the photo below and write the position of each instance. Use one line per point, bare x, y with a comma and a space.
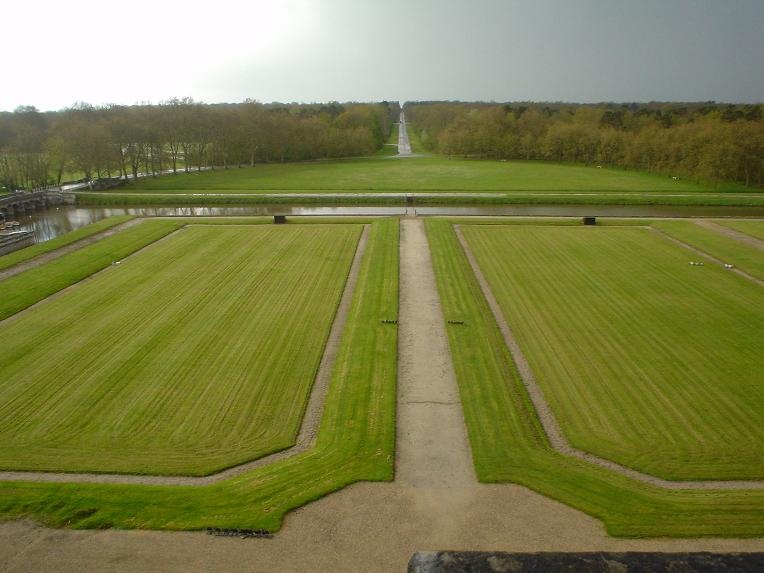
102, 51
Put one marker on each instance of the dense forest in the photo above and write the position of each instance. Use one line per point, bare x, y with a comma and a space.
37, 149
702, 141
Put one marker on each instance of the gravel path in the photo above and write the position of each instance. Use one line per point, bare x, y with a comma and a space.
552, 428
404, 146
308, 430
431, 443
435, 502
731, 233
51, 255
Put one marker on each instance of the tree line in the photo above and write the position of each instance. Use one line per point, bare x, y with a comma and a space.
702, 141
43, 148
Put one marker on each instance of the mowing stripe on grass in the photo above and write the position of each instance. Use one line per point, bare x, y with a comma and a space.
552, 428
75, 239
308, 430
644, 360
727, 250
706, 255
182, 355
31, 286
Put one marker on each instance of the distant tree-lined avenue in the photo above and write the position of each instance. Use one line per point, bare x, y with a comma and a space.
83, 141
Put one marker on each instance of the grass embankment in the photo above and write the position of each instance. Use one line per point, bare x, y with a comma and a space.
180, 199
355, 440
508, 444
215, 315
27, 253
753, 228
644, 359
429, 173
746, 257
25, 289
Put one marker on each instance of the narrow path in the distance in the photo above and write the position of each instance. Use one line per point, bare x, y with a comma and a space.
549, 422
308, 430
731, 233
404, 146
66, 249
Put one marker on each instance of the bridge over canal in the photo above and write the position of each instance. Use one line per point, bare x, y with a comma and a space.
14, 204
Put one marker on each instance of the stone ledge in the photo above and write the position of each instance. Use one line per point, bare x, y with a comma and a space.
498, 562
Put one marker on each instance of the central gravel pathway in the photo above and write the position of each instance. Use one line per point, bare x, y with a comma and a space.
432, 448
434, 503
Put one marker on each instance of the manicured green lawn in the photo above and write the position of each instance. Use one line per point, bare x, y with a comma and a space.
197, 354
752, 228
508, 444
355, 440
31, 286
30, 252
728, 250
643, 358
417, 174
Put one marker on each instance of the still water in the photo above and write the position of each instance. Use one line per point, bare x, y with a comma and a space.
49, 223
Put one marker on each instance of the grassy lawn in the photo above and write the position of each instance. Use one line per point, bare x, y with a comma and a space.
728, 250
752, 228
27, 253
218, 316
643, 358
355, 440
508, 444
31, 286
419, 174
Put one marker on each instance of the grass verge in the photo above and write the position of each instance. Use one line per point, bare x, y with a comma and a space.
551, 198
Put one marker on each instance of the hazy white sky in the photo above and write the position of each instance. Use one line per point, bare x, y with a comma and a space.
102, 51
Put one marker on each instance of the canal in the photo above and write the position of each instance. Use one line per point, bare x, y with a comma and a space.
49, 223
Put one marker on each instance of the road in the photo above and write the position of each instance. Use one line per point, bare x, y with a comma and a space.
404, 146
